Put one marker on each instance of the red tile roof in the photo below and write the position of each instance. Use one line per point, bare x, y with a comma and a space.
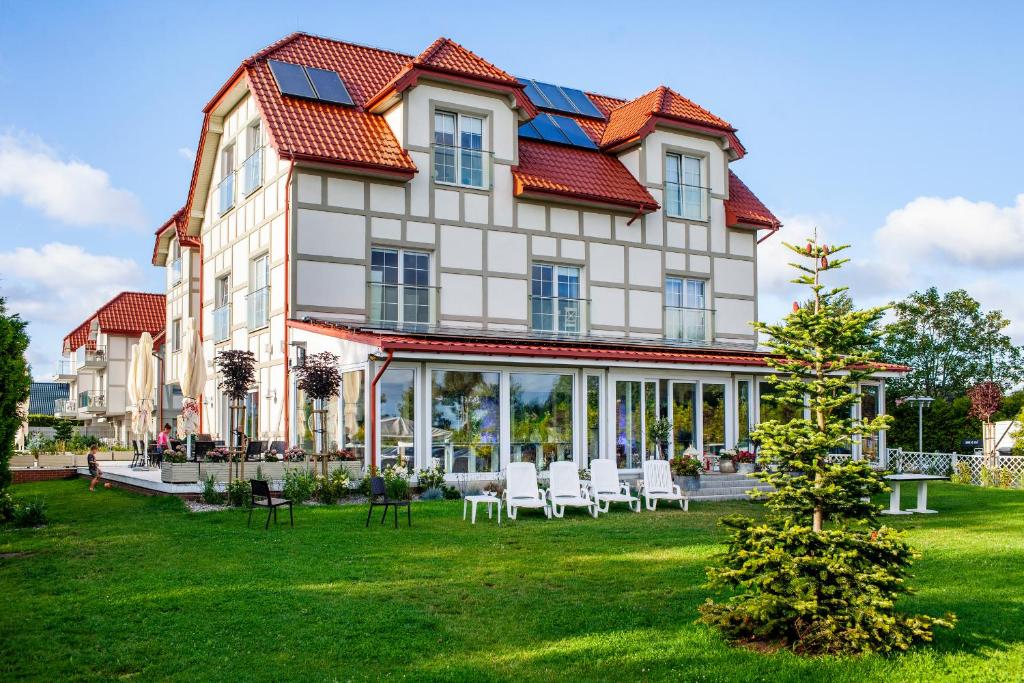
744, 208
571, 172
128, 314
180, 225
445, 54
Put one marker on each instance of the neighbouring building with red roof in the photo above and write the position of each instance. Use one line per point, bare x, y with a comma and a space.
96, 356
508, 269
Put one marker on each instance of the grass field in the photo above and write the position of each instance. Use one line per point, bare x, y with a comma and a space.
126, 586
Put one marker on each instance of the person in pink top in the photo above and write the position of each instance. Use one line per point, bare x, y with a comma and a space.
163, 439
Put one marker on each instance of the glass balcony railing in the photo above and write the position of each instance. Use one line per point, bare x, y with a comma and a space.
405, 306
64, 407
559, 315
65, 369
92, 402
252, 172
221, 323
258, 308
462, 166
95, 358
226, 194
689, 202
689, 324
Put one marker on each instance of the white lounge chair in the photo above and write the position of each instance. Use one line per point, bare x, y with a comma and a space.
567, 490
657, 485
521, 490
606, 487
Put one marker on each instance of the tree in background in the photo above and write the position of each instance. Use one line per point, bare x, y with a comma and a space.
951, 344
63, 430
15, 381
818, 575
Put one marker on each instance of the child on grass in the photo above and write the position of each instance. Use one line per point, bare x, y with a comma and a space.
94, 468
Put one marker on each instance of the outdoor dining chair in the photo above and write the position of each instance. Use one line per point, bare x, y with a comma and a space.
379, 496
261, 498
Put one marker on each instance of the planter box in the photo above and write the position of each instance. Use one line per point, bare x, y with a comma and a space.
726, 466
52, 460
354, 468
687, 483
179, 472
745, 468
22, 461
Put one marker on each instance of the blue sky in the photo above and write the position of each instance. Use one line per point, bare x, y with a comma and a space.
889, 125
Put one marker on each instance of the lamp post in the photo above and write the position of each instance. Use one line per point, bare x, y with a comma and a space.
920, 402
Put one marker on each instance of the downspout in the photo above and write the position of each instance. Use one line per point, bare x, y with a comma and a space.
373, 410
287, 349
771, 231
639, 212
199, 249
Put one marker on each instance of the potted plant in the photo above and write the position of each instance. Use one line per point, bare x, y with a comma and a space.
744, 462
686, 472
727, 461
659, 431
320, 379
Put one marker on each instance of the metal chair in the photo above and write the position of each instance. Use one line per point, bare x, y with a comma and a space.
136, 454
261, 498
254, 450
379, 496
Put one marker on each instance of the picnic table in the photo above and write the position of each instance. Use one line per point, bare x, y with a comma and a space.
895, 480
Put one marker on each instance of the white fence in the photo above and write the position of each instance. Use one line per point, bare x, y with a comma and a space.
1009, 470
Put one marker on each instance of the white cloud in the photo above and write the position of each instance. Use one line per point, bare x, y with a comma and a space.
56, 287
70, 191
950, 244
957, 231
187, 153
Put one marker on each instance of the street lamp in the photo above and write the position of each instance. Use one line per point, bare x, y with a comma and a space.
920, 402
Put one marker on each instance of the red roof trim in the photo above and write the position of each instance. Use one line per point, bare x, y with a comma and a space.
522, 190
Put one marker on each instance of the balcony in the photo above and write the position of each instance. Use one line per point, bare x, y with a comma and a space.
66, 371
258, 308
65, 408
689, 324
226, 194
689, 202
221, 323
402, 306
92, 402
252, 172
462, 166
559, 315
94, 359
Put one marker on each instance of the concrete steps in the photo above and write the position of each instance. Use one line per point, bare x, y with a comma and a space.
715, 487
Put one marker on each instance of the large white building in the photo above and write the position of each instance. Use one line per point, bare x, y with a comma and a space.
508, 269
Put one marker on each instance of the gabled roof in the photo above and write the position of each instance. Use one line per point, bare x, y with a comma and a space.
568, 172
445, 54
635, 119
129, 314
175, 226
743, 208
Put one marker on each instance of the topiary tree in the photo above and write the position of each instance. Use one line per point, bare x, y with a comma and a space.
238, 375
14, 385
818, 575
986, 397
320, 379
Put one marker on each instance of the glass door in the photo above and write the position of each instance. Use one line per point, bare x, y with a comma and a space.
629, 428
684, 417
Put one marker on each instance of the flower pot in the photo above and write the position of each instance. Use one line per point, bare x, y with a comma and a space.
726, 466
179, 472
745, 468
687, 483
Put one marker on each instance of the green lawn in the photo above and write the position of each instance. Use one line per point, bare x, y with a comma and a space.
121, 585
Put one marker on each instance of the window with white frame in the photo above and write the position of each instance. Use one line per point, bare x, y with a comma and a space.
400, 291
226, 188
555, 303
253, 166
685, 194
175, 261
259, 292
222, 308
459, 156
176, 335
686, 314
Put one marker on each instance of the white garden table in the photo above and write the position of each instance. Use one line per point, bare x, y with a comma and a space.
484, 498
895, 480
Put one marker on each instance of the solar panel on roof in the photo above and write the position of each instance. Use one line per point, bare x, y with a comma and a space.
550, 131
528, 131
568, 100
328, 85
573, 131
291, 79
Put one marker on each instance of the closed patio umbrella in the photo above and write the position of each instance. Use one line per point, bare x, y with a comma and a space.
192, 378
141, 383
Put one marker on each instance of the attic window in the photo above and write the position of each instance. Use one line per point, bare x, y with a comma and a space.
309, 82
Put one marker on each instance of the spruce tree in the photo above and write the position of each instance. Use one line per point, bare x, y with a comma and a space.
818, 574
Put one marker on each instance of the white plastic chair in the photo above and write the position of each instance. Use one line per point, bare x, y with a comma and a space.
567, 490
606, 487
657, 485
521, 490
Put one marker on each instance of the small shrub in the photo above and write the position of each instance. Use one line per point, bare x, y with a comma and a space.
259, 474
962, 474
239, 493
333, 487
451, 493
29, 512
432, 494
396, 480
298, 486
987, 478
1005, 478
432, 478
6, 506
683, 466
211, 496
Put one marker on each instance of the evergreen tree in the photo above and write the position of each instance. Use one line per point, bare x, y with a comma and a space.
818, 575
14, 385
